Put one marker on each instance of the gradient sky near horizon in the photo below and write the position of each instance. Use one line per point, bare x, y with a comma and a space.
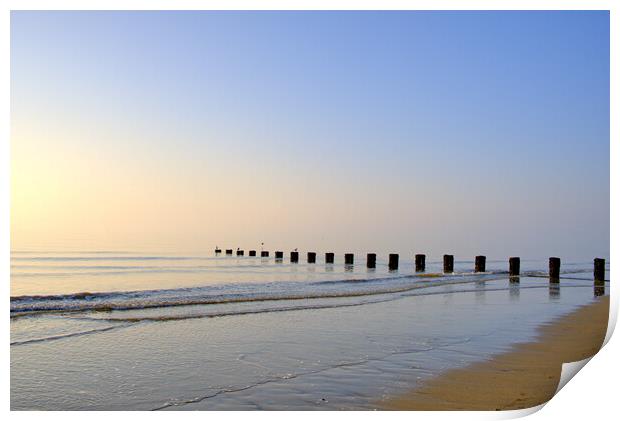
436, 132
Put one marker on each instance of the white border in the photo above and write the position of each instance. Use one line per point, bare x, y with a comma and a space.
590, 394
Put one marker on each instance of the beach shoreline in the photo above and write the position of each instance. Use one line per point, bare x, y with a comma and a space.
524, 377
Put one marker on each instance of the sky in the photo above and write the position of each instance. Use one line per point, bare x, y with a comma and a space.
436, 132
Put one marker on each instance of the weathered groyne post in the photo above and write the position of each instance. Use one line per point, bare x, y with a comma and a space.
252, 253
329, 258
554, 269
371, 260
218, 250
448, 263
599, 271
229, 252
481, 264
279, 255
264, 253
420, 262
311, 257
393, 262
599, 277
294, 257
348, 259
514, 267
239, 252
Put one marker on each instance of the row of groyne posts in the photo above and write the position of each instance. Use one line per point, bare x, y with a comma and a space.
514, 263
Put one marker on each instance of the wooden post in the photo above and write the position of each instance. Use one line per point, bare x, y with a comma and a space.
329, 258
279, 255
229, 252
264, 254
481, 263
554, 269
420, 262
217, 250
294, 257
599, 277
348, 259
252, 253
448, 263
311, 257
393, 262
599, 270
514, 266
371, 260
239, 252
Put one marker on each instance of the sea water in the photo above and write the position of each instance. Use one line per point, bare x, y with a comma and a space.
130, 331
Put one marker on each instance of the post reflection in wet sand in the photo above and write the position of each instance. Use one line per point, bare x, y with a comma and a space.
554, 290
599, 289
480, 291
514, 289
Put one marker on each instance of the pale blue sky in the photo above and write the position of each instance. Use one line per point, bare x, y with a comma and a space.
460, 132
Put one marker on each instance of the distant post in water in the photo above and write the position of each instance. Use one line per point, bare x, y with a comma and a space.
514, 266
329, 258
239, 252
279, 255
420, 262
393, 262
311, 257
252, 253
229, 252
294, 257
371, 260
264, 254
348, 259
448, 263
599, 271
554, 269
481, 264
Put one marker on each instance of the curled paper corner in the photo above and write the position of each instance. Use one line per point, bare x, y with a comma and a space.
568, 372
570, 369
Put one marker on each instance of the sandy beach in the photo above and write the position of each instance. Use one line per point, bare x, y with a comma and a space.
522, 378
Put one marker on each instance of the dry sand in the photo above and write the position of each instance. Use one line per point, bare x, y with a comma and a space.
522, 378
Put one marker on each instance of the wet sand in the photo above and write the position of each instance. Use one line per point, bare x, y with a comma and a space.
522, 378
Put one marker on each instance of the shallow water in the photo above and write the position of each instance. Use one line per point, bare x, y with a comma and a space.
188, 332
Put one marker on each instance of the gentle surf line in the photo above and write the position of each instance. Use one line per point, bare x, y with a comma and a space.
138, 293
393, 297
87, 304
129, 321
